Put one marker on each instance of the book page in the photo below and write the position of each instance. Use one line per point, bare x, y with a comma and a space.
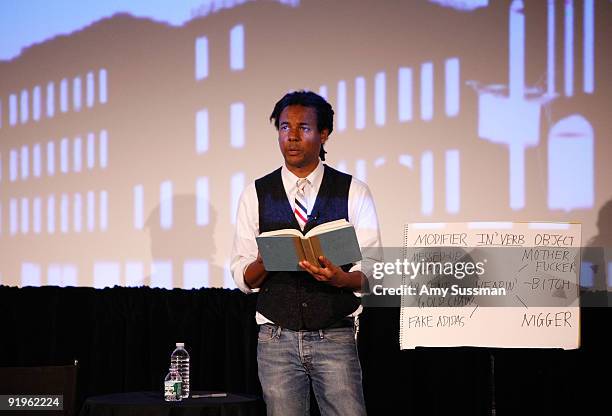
283, 232
332, 225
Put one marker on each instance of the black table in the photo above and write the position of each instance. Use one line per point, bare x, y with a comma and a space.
151, 403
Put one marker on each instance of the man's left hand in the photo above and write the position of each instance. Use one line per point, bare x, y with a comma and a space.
326, 272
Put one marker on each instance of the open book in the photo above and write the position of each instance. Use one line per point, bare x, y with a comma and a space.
282, 250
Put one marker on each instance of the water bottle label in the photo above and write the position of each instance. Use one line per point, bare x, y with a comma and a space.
172, 390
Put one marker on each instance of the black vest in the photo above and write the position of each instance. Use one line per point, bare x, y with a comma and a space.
296, 300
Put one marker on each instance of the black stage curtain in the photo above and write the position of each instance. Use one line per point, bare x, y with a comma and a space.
123, 337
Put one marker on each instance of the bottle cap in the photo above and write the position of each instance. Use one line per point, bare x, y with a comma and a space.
180, 344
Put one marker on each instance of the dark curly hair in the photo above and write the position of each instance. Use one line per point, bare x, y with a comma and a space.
324, 111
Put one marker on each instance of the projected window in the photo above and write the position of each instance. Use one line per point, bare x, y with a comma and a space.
13, 165
37, 215
427, 183
24, 107
90, 90
25, 215
77, 213
453, 181
404, 101
62, 275
91, 150
202, 201
380, 98
76, 94
165, 205
64, 95
427, 93
25, 162
12, 109
341, 106
50, 99
103, 210
64, 213
588, 48
30, 274
64, 156
51, 214
161, 274
102, 92
103, 149
13, 216
36, 103
323, 91
360, 170
237, 48
106, 274
201, 58
360, 103
50, 158
202, 134
237, 124
195, 274
236, 186
451, 83
134, 274
91, 211
77, 154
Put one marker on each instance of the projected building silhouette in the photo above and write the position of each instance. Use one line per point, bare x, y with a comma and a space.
102, 129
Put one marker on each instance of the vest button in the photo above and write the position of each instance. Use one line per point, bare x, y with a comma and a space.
304, 304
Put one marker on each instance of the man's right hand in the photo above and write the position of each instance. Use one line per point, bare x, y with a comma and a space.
255, 273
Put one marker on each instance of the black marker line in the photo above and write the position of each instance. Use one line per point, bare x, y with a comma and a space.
521, 301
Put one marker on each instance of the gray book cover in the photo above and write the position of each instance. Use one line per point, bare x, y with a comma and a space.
283, 252
279, 253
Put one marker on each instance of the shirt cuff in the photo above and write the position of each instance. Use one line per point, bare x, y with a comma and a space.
239, 277
357, 268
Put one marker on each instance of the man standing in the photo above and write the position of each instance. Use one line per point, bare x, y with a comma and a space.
307, 319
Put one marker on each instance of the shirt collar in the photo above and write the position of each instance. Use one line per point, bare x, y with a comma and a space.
314, 178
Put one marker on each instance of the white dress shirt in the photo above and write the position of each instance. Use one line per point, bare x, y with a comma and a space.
361, 213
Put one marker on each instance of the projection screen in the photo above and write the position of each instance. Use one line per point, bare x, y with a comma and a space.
128, 131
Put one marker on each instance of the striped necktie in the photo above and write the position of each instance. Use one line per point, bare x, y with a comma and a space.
301, 203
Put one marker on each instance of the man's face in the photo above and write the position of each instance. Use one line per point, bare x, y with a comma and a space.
299, 139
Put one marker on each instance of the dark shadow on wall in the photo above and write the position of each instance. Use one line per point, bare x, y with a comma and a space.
597, 262
186, 245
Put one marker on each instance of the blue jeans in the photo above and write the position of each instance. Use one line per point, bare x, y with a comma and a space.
288, 361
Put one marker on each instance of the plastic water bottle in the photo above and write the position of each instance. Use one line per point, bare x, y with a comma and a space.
173, 385
180, 358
